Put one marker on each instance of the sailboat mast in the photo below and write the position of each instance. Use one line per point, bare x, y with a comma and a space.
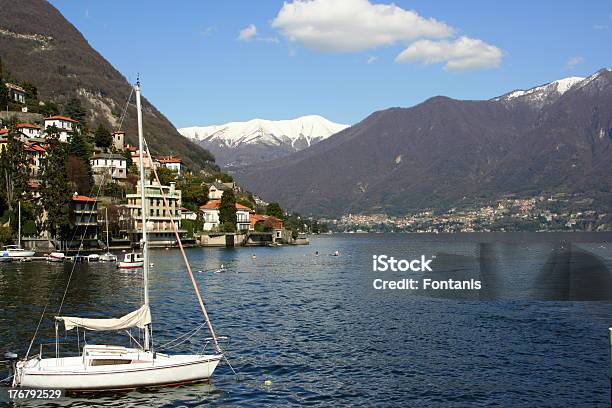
107, 239
143, 209
19, 226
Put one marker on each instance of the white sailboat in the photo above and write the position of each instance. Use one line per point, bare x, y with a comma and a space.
107, 256
105, 367
16, 251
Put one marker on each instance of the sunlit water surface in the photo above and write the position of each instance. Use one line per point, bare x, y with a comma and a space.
315, 328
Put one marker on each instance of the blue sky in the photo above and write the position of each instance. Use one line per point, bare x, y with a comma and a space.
342, 59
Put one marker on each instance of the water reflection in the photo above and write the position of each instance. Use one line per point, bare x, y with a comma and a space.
314, 326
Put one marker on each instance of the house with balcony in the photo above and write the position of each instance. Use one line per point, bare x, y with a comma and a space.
210, 214
108, 167
83, 222
66, 126
159, 218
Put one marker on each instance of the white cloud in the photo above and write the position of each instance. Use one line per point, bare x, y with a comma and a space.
573, 62
372, 59
247, 33
464, 53
353, 25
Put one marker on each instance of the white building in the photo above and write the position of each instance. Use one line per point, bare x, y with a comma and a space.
187, 214
65, 125
173, 163
29, 130
210, 214
159, 219
108, 166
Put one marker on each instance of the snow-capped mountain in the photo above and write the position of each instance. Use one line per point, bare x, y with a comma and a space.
241, 143
541, 95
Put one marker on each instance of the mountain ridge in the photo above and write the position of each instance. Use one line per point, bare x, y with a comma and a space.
443, 151
55, 56
256, 140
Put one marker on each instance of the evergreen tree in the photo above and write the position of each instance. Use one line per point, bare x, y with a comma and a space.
79, 167
103, 137
4, 95
14, 170
3, 90
54, 194
227, 211
275, 210
75, 110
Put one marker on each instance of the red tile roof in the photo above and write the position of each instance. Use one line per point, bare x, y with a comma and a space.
60, 117
215, 204
169, 159
34, 147
271, 220
3, 131
211, 205
83, 198
27, 125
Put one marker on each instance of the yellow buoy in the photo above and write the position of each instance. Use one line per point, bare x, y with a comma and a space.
268, 382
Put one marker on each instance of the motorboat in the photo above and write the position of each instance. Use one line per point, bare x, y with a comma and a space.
108, 257
93, 258
131, 260
56, 257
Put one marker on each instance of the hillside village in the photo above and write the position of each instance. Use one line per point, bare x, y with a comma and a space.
73, 181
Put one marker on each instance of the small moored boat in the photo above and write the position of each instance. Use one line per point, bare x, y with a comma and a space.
56, 257
131, 260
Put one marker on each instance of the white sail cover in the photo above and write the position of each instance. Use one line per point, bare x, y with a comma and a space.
138, 318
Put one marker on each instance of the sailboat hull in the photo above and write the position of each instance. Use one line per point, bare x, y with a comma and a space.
137, 371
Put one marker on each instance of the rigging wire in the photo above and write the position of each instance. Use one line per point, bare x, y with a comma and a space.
186, 261
56, 280
125, 109
180, 243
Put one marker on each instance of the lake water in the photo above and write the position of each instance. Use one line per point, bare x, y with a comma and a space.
536, 334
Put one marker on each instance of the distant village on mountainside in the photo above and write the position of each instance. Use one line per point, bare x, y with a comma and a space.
65, 183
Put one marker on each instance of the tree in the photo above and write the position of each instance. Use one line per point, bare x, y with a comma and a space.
49, 109
4, 95
275, 210
263, 226
54, 194
166, 176
227, 211
78, 178
14, 170
75, 110
192, 192
103, 137
5, 234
